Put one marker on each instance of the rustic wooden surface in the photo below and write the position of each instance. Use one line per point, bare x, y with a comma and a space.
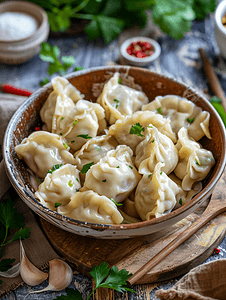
179, 59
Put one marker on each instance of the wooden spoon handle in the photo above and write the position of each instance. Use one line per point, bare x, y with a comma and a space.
209, 214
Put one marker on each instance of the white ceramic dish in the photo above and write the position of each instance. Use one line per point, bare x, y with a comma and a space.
27, 117
20, 51
220, 30
140, 62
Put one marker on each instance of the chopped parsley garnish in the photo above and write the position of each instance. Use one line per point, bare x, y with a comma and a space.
70, 183
137, 129
61, 133
62, 118
119, 80
180, 201
98, 148
75, 122
77, 190
149, 175
159, 110
117, 167
130, 167
150, 126
65, 145
57, 204
77, 179
190, 120
117, 204
104, 180
160, 173
197, 163
117, 103
86, 167
84, 136
152, 141
54, 168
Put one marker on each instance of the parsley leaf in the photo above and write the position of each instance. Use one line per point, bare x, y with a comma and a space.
54, 168
5, 264
70, 183
117, 103
159, 110
86, 167
180, 201
216, 102
197, 163
84, 136
137, 129
116, 279
21, 234
78, 68
57, 204
71, 295
44, 81
190, 120
203, 7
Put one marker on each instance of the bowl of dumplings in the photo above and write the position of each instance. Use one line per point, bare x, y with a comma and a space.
114, 152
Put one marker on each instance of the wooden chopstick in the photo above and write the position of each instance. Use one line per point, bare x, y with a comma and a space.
212, 78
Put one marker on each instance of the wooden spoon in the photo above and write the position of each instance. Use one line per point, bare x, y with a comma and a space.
216, 206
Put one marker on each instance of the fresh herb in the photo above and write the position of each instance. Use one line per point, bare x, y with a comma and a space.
130, 167
98, 148
86, 167
77, 179
117, 167
70, 183
6, 264
120, 81
1, 282
197, 163
84, 136
180, 201
117, 103
62, 118
104, 180
137, 129
159, 110
61, 133
149, 175
71, 295
152, 141
216, 102
160, 173
115, 279
75, 122
77, 190
57, 204
54, 168
65, 145
10, 219
150, 126
44, 81
190, 120
78, 68
117, 204
72, 142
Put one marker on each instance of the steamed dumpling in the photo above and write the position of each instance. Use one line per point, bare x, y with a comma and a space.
120, 100
182, 113
86, 119
94, 149
156, 147
42, 150
194, 163
88, 206
114, 176
59, 102
141, 119
59, 186
155, 194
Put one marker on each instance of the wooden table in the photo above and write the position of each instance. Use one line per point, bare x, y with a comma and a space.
179, 59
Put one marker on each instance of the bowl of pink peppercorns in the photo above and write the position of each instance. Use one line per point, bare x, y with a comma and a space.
140, 51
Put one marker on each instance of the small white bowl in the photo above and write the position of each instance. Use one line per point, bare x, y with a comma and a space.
220, 30
140, 62
21, 50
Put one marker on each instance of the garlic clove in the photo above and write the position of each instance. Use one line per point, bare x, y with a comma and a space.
28, 272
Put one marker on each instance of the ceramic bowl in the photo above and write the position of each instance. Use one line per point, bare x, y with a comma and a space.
220, 30
27, 117
140, 62
21, 50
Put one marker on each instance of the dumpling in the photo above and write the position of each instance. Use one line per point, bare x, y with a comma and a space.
114, 176
119, 100
185, 196
156, 147
59, 186
85, 121
90, 207
194, 163
59, 102
94, 149
42, 150
155, 194
139, 121
182, 113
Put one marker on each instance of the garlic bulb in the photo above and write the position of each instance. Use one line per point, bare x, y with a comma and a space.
28, 272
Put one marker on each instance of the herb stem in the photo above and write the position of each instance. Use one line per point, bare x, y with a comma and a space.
6, 233
84, 16
81, 6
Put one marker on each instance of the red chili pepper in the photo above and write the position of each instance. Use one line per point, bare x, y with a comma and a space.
139, 49
217, 250
11, 89
37, 128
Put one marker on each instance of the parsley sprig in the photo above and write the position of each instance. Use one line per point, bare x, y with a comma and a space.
137, 129
216, 102
86, 167
9, 221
